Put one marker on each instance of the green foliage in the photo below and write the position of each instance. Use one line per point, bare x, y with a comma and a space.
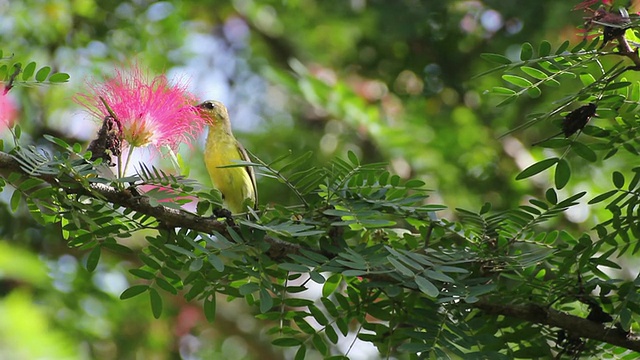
17, 74
365, 237
363, 251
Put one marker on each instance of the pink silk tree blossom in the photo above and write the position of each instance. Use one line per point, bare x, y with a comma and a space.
151, 112
8, 111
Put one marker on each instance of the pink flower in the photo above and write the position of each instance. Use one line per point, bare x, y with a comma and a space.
8, 111
151, 112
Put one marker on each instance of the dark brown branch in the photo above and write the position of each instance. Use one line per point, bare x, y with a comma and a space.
168, 216
575, 325
625, 49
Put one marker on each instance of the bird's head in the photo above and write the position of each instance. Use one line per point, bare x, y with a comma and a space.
213, 112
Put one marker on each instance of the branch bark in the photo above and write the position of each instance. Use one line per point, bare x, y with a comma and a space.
168, 216
574, 325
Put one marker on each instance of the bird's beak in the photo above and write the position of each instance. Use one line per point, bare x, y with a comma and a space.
198, 109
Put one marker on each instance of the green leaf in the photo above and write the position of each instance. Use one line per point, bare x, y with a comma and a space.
534, 92
596, 131
266, 301
418, 347
166, 286
149, 261
579, 46
42, 74
301, 353
341, 322
133, 291
618, 179
496, 58
4, 72
603, 197
414, 183
537, 168
427, 287
196, 265
320, 345
452, 269
93, 258
526, 51
156, 303
551, 196
562, 174
438, 276
544, 49
587, 79
534, 73
297, 302
202, 207
293, 267
314, 256
354, 272
485, 208
59, 78
330, 307
143, 274
610, 153
616, 85
551, 82
563, 47
635, 180
318, 315
28, 71
286, 342
216, 262
630, 148
517, 80
499, 90
15, 200
15, 68
400, 267
353, 158
248, 288
180, 250
63, 144
470, 299
297, 162
331, 333
507, 101
584, 151
117, 248
331, 284
210, 307
317, 277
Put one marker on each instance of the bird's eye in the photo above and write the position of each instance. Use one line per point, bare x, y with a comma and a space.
209, 105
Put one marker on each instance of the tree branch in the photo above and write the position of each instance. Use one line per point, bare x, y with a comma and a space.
625, 49
168, 216
575, 325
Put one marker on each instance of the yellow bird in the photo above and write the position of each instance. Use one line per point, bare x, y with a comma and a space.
237, 184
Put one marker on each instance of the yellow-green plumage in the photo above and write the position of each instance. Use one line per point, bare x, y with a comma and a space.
237, 184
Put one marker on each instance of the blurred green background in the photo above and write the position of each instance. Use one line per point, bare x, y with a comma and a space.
389, 80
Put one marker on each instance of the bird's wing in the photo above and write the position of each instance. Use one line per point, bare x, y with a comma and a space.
252, 174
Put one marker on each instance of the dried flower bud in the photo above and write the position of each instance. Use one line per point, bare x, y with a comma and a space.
578, 119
